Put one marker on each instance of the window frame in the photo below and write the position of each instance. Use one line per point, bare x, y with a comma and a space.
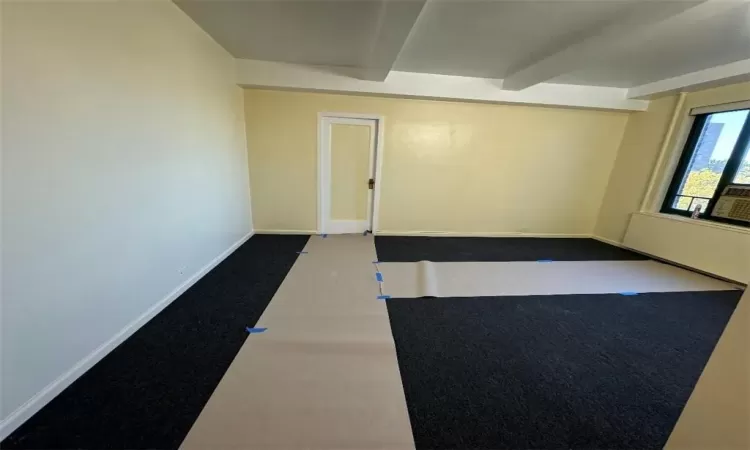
730, 169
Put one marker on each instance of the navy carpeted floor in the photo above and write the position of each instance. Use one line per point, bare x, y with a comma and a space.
149, 391
442, 249
553, 372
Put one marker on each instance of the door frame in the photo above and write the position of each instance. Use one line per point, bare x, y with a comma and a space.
325, 120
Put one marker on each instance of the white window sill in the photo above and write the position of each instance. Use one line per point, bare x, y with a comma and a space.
698, 222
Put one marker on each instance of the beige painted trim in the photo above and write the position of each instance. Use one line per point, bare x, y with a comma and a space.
41, 398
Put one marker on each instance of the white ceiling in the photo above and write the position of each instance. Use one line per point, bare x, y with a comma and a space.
617, 43
333, 32
486, 39
723, 39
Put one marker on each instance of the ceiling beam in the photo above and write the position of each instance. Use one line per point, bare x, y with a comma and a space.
266, 74
395, 21
734, 72
597, 43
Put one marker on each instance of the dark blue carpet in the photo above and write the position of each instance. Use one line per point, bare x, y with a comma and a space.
148, 392
553, 372
444, 249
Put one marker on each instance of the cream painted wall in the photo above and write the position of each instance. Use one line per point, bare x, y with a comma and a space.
715, 96
123, 174
721, 250
710, 247
633, 167
447, 167
350, 164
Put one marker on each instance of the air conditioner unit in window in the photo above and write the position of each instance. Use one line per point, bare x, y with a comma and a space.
734, 203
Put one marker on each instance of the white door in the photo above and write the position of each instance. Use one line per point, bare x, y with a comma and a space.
347, 170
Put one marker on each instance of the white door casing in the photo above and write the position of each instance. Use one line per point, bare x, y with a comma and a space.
326, 225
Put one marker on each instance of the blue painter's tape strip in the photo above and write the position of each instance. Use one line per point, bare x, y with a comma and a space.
325, 236
383, 297
628, 293
301, 253
379, 277
545, 260
255, 330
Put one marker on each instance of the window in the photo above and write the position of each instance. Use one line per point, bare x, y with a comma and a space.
717, 153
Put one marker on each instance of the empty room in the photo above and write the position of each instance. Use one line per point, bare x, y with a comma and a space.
375, 224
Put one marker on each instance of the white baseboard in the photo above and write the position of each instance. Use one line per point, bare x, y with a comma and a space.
478, 234
279, 231
35, 403
608, 241
438, 233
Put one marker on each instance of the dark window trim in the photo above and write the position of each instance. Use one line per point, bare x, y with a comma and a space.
682, 165
730, 170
